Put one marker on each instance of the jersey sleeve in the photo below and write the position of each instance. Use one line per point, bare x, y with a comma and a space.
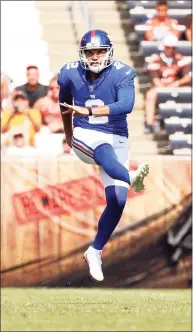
63, 77
125, 93
126, 78
64, 84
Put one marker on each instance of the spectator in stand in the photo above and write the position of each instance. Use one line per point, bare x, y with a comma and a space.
33, 89
19, 145
169, 69
20, 115
50, 109
160, 25
188, 25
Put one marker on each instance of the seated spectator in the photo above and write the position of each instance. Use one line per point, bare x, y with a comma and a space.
33, 89
50, 109
19, 145
160, 25
20, 115
169, 69
188, 25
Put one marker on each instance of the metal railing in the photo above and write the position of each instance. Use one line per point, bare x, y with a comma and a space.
83, 5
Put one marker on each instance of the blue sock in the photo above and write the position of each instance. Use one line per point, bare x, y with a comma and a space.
116, 197
104, 155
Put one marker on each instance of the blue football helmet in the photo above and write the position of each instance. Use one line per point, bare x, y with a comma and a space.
96, 39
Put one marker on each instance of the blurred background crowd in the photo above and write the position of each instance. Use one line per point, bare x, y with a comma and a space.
30, 114
161, 32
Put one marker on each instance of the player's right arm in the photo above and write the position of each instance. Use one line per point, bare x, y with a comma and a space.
65, 96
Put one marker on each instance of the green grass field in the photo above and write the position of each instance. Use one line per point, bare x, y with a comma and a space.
42, 309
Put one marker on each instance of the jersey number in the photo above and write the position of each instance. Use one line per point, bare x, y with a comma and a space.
96, 119
72, 65
118, 65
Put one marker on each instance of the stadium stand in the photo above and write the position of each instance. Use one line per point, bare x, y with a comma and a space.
178, 4
141, 15
41, 43
150, 47
173, 127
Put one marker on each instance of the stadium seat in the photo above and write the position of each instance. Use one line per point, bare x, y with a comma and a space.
150, 47
180, 95
141, 28
139, 15
152, 3
148, 59
175, 124
182, 152
180, 141
169, 109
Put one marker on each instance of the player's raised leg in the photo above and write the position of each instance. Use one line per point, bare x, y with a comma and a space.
105, 156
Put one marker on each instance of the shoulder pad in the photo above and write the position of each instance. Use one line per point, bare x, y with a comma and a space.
65, 72
123, 69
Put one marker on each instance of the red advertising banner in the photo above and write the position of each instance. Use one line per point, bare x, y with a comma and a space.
76, 195
79, 194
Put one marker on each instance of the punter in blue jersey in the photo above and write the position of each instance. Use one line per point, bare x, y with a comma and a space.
98, 93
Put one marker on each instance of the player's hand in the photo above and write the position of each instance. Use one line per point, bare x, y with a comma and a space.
75, 110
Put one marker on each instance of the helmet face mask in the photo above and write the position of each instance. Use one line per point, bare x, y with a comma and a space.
96, 40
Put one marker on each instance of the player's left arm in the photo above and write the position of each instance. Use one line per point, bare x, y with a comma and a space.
124, 104
125, 95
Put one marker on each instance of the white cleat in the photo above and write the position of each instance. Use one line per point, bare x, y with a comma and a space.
93, 258
137, 177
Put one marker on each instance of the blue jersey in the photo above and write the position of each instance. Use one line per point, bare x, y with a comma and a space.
76, 87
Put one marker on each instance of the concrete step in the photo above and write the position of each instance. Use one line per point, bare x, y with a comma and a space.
61, 26
141, 138
53, 15
113, 28
54, 22
102, 15
101, 5
60, 38
147, 147
64, 48
136, 116
50, 34
47, 5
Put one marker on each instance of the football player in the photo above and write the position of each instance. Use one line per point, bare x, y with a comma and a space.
99, 93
